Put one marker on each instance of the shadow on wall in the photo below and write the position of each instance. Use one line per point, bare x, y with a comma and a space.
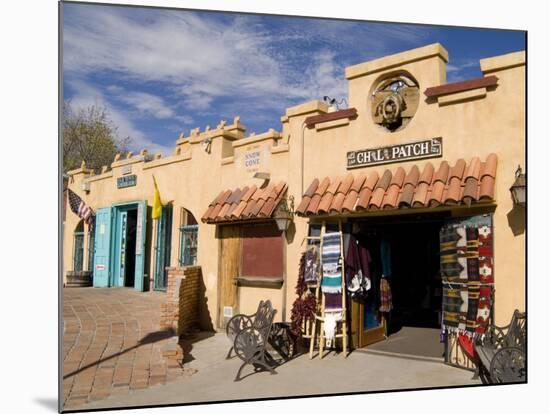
290, 232
516, 220
205, 319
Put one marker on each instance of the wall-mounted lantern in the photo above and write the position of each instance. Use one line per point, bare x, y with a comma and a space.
518, 189
284, 213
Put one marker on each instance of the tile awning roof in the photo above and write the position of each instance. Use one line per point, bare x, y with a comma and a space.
462, 184
245, 203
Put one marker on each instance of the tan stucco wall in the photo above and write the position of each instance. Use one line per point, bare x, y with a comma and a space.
471, 124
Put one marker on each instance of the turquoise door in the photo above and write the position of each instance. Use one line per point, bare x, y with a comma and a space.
119, 255
141, 233
163, 246
102, 255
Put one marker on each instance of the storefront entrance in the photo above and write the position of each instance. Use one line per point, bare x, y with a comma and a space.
119, 258
405, 253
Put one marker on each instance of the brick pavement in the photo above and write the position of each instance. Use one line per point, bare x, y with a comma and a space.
112, 344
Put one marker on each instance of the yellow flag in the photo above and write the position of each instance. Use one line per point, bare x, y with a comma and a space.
157, 205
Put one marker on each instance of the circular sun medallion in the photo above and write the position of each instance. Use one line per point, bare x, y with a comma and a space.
394, 101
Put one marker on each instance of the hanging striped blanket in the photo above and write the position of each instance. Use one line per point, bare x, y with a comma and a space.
332, 267
467, 275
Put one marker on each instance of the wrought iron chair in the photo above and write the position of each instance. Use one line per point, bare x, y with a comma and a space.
502, 352
250, 334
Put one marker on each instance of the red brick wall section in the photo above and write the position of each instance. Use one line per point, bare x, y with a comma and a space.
181, 309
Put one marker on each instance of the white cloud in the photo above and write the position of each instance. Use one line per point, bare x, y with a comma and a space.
148, 104
203, 61
86, 95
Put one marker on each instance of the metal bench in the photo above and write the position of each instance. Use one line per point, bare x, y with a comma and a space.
501, 354
249, 336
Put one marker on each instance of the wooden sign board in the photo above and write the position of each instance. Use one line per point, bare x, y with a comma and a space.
430, 148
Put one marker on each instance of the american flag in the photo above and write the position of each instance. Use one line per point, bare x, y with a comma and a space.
80, 208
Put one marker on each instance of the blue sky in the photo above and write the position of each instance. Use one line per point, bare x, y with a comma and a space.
161, 72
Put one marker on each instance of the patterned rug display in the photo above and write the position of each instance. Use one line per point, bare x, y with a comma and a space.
467, 274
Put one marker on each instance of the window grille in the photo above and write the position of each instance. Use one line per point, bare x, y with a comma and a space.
188, 245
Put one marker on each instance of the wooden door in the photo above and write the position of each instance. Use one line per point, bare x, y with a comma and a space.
367, 325
230, 253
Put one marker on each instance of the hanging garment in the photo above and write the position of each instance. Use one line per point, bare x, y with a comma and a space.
386, 304
331, 318
333, 301
358, 274
332, 269
311, 264
385, 256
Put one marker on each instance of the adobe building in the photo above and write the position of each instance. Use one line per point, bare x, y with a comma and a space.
409, 155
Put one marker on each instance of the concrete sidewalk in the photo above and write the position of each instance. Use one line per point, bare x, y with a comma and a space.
361, 371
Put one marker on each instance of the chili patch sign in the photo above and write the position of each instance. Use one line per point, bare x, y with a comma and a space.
430, 148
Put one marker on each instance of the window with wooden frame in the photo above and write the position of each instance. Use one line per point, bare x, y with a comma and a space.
262, 257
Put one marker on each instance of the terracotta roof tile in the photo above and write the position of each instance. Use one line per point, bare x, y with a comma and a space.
234, 197
390, 198
312, 187
267, 208
281, 186
406, 197
442, 173
458, 169
421, 194
346, 184
249, 193
322, 187
473, 168
301, 209
314, 203
364, 199
207, 213
413, 176
358, 182
487, 188
371, 181
334, 184
337, 203
325, 202
489, 167
398, 177
470, 190
350, 201
266, 192
436, 196
257, 207
214, 213
427, 174
244, 203
235, 214
249, 207
223, 212
224, 197
453, 192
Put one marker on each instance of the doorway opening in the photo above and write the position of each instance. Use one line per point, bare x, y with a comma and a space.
130, 258
405, 253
